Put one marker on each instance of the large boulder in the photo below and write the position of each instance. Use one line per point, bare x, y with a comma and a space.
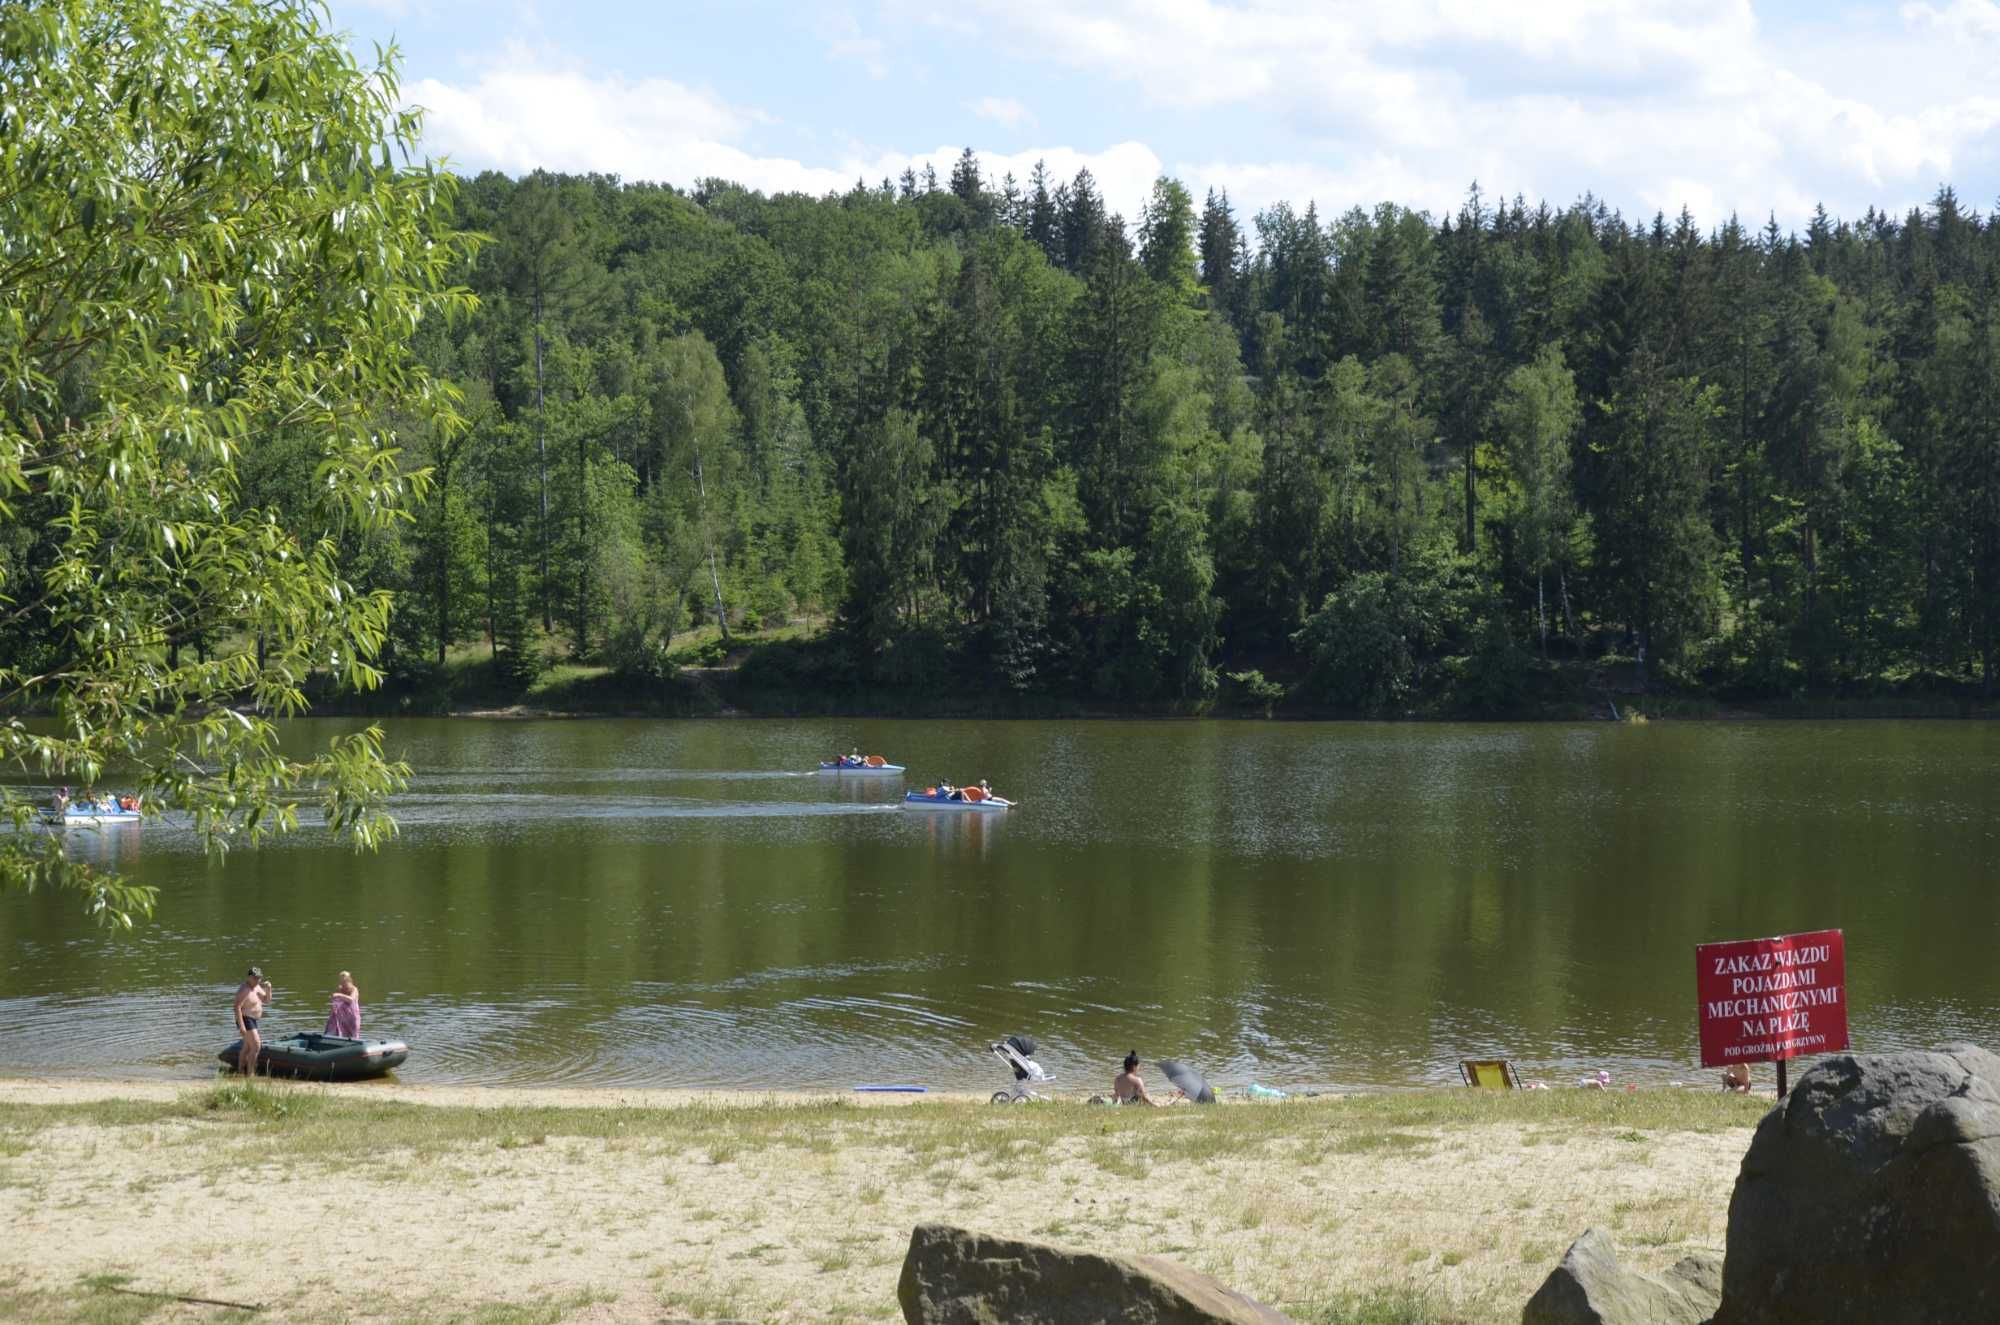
955, 1277
1589, 1287
1872, 1194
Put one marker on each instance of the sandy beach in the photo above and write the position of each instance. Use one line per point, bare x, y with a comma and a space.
429, 1204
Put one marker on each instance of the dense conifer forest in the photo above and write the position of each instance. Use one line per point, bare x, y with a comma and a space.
979, 443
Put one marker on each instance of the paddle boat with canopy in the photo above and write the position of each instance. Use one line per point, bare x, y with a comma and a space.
947, 797
857, 763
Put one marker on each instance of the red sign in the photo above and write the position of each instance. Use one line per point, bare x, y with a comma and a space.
1766, 999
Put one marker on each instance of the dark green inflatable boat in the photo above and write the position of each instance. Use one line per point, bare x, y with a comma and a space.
317, 1057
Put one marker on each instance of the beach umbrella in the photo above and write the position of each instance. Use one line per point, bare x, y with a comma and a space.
1188, 1081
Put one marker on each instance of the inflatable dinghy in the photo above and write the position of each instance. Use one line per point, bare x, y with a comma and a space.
315, 1057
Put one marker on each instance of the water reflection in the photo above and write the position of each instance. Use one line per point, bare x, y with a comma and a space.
679, 903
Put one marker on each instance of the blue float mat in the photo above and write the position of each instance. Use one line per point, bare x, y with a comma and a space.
900, 1090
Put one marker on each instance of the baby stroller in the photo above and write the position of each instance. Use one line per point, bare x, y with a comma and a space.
1015, 1051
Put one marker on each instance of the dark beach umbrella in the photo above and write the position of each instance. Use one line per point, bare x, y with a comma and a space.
1188, 1081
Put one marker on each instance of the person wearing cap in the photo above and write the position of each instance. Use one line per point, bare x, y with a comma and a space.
251, 996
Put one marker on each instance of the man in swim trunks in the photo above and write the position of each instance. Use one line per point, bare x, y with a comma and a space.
1128, 1087
249, 1011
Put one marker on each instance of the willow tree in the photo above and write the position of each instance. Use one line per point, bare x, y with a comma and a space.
215, 233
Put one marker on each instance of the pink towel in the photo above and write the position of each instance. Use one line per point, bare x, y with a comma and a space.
344, 1018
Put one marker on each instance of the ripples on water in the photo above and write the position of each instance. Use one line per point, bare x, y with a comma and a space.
683, 904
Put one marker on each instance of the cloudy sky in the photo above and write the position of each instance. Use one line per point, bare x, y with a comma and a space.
1719, 105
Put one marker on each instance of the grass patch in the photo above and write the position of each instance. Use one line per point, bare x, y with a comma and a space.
1409, 1305
702, 1304
546, 1311
99, 1299
268, 1103
1361, 1143
312, 1123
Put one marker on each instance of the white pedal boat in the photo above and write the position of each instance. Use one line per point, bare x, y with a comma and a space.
872, 764
969, 798
90, 814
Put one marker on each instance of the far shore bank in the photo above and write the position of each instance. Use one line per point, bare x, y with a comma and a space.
560, 1205
1671, 709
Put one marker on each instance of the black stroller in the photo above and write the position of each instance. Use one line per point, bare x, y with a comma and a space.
1017, 1052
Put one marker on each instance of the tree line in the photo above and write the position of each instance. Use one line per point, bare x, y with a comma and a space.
987, 437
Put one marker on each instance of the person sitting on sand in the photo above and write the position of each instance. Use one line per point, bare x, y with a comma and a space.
249, 1011
1128, 1087
344, 1017
1736, 1077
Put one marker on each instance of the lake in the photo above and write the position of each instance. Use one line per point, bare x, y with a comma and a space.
681, 904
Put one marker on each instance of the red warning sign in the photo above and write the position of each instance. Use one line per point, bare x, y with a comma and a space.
1766, 999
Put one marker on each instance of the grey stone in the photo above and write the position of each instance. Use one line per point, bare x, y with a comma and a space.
955, 1277
1590, 1287
1872, 1194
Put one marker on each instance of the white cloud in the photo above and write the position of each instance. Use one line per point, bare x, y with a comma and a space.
1647, 106
1001, 110
1977, 20
845, 41
521, 113
1124, 171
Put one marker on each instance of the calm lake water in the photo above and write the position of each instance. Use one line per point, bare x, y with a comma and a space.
677, 903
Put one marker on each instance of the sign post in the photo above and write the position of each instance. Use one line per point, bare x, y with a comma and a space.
1771, 1000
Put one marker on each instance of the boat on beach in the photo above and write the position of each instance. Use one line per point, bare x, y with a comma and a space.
868, 764
963, 798
315, 1057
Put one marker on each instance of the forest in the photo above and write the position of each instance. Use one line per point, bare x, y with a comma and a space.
980, 444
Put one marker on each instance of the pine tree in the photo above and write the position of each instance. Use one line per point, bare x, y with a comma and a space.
1223, 256
1081, 221
970, 190
1044, 225
1166, 238
1655, 545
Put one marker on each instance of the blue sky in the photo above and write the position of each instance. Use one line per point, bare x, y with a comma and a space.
1720, 105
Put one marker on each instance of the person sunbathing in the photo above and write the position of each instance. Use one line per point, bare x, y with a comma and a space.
1128, 1087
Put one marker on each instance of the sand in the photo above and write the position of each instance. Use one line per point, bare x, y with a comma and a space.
543, 1206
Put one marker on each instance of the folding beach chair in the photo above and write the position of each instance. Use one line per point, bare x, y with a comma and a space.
1489, 1073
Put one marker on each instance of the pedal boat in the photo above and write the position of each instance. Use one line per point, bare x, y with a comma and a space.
872, 764
969, 798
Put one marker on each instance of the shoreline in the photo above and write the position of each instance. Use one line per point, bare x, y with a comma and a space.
598, 1208
15, 1090
1718, 713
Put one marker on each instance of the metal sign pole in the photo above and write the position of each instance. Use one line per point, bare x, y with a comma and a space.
1781, 1077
